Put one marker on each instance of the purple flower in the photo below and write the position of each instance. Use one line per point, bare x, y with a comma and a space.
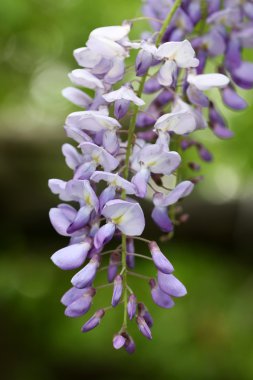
128, 217
131, 306
81, 305
159, 297
118, 341
94, 321
144, 313
143, 327
113, 266
170, 285
130, 259
72, 256
117, 290
161, 262
129, 344
86, 275
182, 190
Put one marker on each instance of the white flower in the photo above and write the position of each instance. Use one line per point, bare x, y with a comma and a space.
180, 52
175, 54
205, 82
126, 93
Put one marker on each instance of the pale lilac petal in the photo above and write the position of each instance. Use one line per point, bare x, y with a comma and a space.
72, 157
113, 33
160, 260
126, 93
77, 134
120, 108
107, 195
104, 234
72, 256
86, 57
159, 161
167, 73
178, 122
143, 62
130, 259
143, 327
161, 218
140, 181
116, 73
81, 219
76, 96
127, 216
113, 180
73, 294
80, 306
84, 78
207, 81
94, 321
233, 100
182, 190
131, 306
118, 341
105, 159
111, 142
117, 290
61, 217
159, 297
197, 97
114, 263
86, 275
57, 186
130, 345
170, 285
144, 313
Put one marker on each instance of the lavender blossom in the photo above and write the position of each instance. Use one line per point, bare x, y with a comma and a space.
117, 162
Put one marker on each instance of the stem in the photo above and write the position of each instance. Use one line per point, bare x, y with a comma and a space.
138, 255
142, 239
134, 274
174, 8
124, 280
131, 131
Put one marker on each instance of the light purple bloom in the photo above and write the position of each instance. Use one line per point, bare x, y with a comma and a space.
170, 285
128, 217
182, 190
143, 327
159, 297
94, 321
117, 290
81, 305
160, 261
118, 341
113, 266
86, 275
131, 306
72, 256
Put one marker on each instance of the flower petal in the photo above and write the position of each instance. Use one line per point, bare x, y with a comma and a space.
127, 216
72, 256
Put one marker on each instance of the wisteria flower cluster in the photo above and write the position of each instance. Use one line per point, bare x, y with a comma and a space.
124, 145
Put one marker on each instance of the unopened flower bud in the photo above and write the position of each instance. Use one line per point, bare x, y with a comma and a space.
160, 261
117, 290
131, 306
143, 327
94, 321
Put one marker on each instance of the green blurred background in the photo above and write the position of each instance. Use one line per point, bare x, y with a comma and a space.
209, 334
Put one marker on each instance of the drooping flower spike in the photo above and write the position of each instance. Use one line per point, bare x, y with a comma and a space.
129, 148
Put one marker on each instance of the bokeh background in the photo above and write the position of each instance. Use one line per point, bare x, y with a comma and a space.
209, 334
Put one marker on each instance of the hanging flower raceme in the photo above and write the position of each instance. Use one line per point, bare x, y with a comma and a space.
128, 148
